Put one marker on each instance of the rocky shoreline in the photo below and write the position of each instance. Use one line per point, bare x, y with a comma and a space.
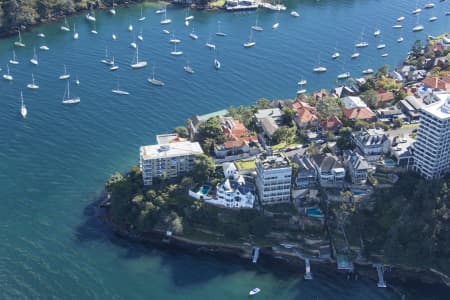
273, 260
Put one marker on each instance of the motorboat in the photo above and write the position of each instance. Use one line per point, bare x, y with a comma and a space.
400, 19
429, 5
217, 64
355, 55
254, 291
400, 39
335, 55
418, 28
377, 32
367, 71
295, 14
344, 75
361, 44
23, 108
397, 26
275, 26
381, 46
41, 35
432, 19
320, 69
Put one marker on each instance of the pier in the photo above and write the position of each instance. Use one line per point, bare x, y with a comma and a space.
308, 274
380, 271
255, 255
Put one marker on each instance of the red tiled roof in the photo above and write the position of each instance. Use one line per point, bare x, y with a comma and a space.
306, 116
437, 83
385, 97
361, 113
237, 136
331, 123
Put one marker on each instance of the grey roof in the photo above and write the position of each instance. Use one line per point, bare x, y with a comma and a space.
326, 162
370, 137
358, 162
269, 126
304, 164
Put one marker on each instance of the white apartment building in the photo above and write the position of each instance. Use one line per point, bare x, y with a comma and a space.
432, 148
273, 178
167, 160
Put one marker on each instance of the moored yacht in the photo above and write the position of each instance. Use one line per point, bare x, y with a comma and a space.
32, 85
138, 64
155, 81
344, 75
367, 71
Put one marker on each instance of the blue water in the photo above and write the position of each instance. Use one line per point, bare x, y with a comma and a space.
54, 163
314, 212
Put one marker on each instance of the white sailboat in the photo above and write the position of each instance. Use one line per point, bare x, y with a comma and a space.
367, 71
295, 14
257, 27
14, 60
418, 26
254, 291
335, 54
344, 75
114, 37
165, 31
417, 10
397, 26
75, 33
217, 64
192, 35
34, 60
301, 83
155, 81
142, 17
130, 27
65, 27
219, 29
67, 99
65, 75
176, 52
107, 60
209, 44
355, 54
32, 85
113, 67
362, 43
320, 68
250, 42
140, 36
188, 17
400, 39
19, 43
165, 20
41, 35
7, 76
91, 17
377, 32
400, 19
381, 45
188, 69
138, 64
174, 40
113, 11
94, 30
432, 19
161, 10
44, 47
118, 91
429, 5
23, 108
77, 81
384, 55
133, 43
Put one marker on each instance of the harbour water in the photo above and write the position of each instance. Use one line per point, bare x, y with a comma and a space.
53, 164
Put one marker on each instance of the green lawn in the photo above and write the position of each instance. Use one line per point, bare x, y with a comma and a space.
245, 164
218, 3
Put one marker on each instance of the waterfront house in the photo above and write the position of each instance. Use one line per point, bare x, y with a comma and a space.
238, 139
196, 120
330, 172
356, 109
306, 176
304, 114
357, 166
343, 91
351, 102
269, 120
372, 143
273, 178
234, 194
167, 160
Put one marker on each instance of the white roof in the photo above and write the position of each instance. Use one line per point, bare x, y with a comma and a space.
170, 150
440, 109
273, 113
351, 102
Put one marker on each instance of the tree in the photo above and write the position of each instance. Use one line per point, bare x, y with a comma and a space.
383, 71
284, 134
398, 122
182, 131
400, 95
263, 103
211, 129
288, 116
370, 97
370, 84
327, 107
345, 140
203, 169
175, 223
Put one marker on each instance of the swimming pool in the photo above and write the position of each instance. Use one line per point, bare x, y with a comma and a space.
359, 192
390, 163
204, 190
314, 212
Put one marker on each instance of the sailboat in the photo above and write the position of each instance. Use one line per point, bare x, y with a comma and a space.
34, 60
165, 31
133, 43
319, 68
277, 24
65, 75
113, 67
432, 19
14, 60
250, 42
154, 81
344, 75
23, 108
219, 30
381, 45
130, 27
19, 43
355, 55
32, 85
209, 44
174, 40
367, 71
114, 37
301, 83
257, 27
44, 47
397, 26
41, 35
161, 10
217, 64
192, 35
188, 16
118, 91
65, 27
66, 97
94, 30
142, 18
113, 10
417, 10
377, 32
400, 39
336, 54
175, 52
140, 36
400, 19
7, 76
188, 69
138, 64
165, 20
362, 44
418, 27
77, 81
106, 60
75, 33
295, 14
91, 17
430, 5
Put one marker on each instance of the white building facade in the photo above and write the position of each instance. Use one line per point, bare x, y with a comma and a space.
432, 148
167, 160
273, 179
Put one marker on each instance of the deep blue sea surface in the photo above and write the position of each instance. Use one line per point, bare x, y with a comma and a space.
53, 164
